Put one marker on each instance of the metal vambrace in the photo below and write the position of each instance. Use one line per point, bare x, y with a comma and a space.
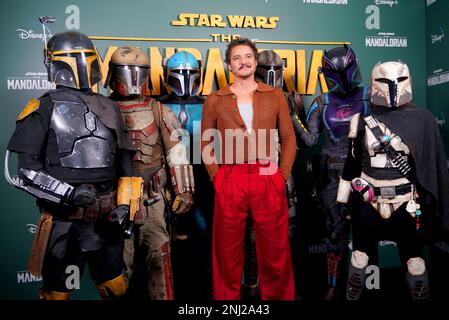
38, 183
129, 192
182, 178
44, 186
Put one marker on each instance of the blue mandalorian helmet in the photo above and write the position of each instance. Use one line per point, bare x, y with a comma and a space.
71, 60
183, 74
341, 70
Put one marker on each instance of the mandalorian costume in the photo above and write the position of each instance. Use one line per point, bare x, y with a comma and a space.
332, 112
396, 168
74, 155
153, 130
182, 74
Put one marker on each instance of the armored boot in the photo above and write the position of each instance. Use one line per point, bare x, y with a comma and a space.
357, 275
417, 279
114, 288
53, 295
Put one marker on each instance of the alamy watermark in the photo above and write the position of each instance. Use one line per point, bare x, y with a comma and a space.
235, 146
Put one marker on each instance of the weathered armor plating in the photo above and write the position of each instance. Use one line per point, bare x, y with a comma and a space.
83, 141
139, 119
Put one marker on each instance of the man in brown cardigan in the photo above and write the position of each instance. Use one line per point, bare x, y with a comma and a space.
242, 124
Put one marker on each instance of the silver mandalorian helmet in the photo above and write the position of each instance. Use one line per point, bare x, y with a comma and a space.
129, 70
183, 74
270, 68
391, 84
71, 60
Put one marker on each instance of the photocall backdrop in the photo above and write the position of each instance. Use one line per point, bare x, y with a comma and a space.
299, 30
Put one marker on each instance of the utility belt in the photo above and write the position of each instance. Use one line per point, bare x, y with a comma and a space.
369, 192
393, 191
105, 203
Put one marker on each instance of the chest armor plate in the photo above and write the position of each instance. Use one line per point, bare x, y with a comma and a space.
189, 116
83, 141
338, 112
139, 119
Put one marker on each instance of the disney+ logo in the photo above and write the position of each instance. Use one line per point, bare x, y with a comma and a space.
31, 34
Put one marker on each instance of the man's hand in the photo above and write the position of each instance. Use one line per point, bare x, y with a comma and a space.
83, 196
120, 215
183, 203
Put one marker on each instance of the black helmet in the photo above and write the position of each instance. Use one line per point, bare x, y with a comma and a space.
71, 60
341, 70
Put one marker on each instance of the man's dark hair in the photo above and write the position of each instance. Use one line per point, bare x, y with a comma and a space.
239, 42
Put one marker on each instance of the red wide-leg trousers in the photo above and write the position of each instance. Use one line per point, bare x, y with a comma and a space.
257, 190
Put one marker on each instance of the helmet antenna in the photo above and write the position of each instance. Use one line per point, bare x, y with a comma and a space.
44, 20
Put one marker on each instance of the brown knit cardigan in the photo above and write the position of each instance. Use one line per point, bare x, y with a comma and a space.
271, 111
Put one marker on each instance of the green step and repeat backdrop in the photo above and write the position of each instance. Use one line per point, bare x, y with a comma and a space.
299, 30
437, 46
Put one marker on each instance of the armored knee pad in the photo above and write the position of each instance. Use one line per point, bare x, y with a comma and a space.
53, 295
417, 279
357, 275
114, 288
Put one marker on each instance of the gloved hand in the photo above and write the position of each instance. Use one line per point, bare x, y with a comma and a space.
83, 196
183, 203
299, 104
120, 216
